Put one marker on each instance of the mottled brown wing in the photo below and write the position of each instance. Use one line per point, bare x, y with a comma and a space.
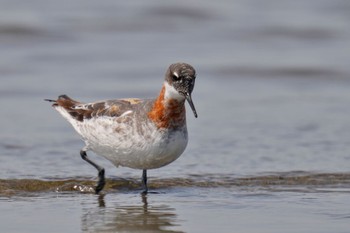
81, 111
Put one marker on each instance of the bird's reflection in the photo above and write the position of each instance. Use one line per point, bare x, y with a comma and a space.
136, 216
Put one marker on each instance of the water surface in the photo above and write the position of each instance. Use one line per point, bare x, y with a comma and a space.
269, 151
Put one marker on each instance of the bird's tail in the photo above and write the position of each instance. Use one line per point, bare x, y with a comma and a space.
67, 107
63, 101
48, 100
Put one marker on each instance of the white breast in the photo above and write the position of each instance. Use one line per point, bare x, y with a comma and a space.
140, 146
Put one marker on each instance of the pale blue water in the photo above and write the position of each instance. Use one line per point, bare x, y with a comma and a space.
272, 96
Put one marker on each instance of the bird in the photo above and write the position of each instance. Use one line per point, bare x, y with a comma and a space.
137, 133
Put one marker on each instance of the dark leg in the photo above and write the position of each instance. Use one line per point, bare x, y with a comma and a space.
101, 172
144, 181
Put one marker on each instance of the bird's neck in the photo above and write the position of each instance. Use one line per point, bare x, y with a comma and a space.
168, 110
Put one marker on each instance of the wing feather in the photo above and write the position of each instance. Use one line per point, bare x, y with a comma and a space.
110, 108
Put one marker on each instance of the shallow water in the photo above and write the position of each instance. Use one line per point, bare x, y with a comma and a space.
268, 153
271, 203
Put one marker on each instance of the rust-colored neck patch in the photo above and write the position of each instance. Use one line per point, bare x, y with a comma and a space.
167, 113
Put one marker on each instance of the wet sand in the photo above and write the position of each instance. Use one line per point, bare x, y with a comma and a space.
298, 181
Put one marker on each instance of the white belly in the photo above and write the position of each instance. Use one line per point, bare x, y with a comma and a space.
144, 154
140, 146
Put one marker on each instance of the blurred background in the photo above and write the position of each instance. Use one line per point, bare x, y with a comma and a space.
269, 151
272, 92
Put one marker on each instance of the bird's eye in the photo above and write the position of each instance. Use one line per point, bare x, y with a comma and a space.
175, 77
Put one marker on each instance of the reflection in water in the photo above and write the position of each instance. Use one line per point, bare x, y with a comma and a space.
139, 217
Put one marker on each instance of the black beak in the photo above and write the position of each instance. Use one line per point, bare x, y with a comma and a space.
189, 100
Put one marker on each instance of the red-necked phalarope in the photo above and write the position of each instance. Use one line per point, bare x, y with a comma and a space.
137, 133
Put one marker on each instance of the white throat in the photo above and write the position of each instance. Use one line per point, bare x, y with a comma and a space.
172, 93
